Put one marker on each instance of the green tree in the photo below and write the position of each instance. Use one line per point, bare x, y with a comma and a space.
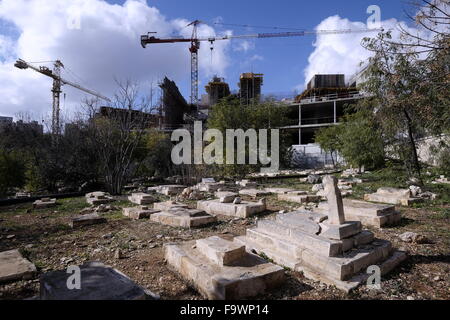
12, 171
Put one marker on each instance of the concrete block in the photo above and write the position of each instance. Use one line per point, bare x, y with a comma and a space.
98, 282
14, 267
221, 251
342, 231
171, 190
226, 196
292, 197
279, 190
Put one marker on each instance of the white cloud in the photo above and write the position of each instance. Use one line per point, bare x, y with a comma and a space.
243, 46
106, 45
343, 53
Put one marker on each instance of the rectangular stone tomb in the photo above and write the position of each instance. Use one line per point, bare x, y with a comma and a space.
226, 196
141, 198
140, 212
253, 193
98, 197
279, 190
299, 197
44, 203
171, 190
14, 267
242, 210
369, 214
209, 186
167, 205
222, 269
181, 217
336, 254
86, 220
98, 282
247, 183
392, 196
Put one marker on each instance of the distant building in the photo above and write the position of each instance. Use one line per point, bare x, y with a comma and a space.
217, 89
5, 120
250, 87
320, 105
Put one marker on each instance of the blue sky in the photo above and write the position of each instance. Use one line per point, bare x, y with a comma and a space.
284, 59
106, 44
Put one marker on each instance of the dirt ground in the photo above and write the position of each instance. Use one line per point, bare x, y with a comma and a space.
44, 237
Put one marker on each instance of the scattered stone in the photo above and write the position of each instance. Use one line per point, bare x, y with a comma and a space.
118, 254
298, 197
247, 183
317, 187
237, 200
10, 236
14, 267
167, 205
171, 189
98, 282
222, 269
415, 191
413, 237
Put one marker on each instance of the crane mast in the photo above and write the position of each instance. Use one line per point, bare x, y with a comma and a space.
55, 74
195, 45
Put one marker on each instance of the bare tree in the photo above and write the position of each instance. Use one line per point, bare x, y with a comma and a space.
117, 131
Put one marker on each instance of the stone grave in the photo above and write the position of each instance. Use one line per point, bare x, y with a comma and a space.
246, 183
183, 217
140, 212
86, 220
44, 203
325, 247
98, 197
221, 269
171, 189
369, 214
243, 209
98, 282
14, 267
279, 190
167, 205
392, 196
141, 198
298, 196
254, 193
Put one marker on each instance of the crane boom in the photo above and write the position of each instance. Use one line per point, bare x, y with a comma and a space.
55, 74
195, 45
21, 64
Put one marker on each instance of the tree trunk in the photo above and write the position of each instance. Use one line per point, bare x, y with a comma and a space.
415, 157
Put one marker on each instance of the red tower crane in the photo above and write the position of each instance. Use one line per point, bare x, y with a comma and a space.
195, 45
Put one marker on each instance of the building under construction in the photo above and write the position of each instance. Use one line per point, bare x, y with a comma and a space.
217, 89
250, 87
321, 105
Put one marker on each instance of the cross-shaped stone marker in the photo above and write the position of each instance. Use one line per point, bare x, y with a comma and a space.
334, 197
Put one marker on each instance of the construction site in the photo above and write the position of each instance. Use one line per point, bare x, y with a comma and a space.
118, 203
